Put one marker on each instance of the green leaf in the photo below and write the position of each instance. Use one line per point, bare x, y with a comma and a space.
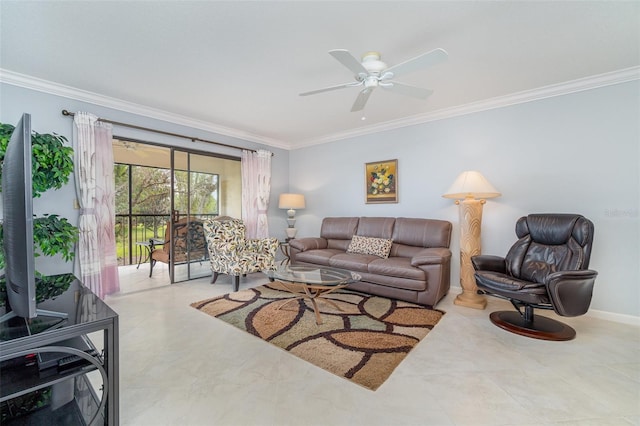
52, 161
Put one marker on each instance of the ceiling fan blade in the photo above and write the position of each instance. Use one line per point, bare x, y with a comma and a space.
361, 100
406, 89
349, 61
426, 59
327, 89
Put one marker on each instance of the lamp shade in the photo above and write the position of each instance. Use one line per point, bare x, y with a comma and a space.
471, 184
291, 201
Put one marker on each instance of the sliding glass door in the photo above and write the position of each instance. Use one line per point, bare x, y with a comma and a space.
165, 194
196, 194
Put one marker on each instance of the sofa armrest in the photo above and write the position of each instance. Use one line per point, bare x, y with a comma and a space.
431, 256
571, 291
486, 262
309, 243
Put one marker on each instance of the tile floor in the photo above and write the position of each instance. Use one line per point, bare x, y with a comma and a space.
134, 279
179, 366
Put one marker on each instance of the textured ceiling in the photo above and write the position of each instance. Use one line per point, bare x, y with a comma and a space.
238, 67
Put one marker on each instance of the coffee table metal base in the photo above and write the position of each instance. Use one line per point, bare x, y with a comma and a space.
313, 292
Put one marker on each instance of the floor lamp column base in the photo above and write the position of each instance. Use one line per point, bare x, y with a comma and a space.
470, 300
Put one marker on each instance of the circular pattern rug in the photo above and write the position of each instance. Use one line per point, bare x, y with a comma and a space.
363, 341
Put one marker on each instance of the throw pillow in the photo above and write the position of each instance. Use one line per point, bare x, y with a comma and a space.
369, 245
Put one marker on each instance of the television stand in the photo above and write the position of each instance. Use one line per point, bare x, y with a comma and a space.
63, 391
39, 312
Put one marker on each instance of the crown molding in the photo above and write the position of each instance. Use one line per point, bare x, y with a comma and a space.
33, 83
582, 84
587, 83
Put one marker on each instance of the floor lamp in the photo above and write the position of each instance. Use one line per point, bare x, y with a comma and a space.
470, 190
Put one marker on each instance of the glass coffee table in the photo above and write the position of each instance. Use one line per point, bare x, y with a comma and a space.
312, 283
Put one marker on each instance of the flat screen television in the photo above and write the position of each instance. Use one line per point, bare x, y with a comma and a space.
17, 226
17, 223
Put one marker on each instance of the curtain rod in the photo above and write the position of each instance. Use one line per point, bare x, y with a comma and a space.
133, 126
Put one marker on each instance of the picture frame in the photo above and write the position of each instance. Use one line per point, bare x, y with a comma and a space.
381, 182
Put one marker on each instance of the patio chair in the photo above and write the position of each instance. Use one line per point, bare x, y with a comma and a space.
189, 243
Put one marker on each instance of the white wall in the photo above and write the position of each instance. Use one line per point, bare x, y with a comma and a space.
577, 153
46, 117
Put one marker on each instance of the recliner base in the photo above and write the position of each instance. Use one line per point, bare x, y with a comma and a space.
539, 328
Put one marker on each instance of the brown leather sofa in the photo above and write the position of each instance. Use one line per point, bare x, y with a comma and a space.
416, 270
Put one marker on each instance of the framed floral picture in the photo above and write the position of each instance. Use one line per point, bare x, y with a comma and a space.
381, 181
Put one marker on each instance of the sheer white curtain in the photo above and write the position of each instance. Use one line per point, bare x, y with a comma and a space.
93, 168
256, 187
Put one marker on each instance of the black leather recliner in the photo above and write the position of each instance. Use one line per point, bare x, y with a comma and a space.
547, 269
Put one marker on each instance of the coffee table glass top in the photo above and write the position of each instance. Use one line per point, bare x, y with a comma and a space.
313, 275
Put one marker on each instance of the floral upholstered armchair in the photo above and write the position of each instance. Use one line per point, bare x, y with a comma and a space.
232, 254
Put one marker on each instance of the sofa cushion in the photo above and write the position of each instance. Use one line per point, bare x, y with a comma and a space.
341, 245
352, 261
379, 227
369, 245
422, 232
398, 283
397, 267
318, 257
338, 228
403, 250
309, 243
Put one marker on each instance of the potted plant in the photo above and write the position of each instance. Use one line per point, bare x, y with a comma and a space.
52, 164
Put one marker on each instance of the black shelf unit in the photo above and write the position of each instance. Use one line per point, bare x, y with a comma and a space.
21, 376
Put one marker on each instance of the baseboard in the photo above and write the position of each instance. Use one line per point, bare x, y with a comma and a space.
615, 317
593, 313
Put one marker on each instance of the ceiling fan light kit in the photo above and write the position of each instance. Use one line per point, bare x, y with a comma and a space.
372, 72
372, 63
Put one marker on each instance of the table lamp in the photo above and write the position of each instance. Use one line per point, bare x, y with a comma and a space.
470, 190
291, 202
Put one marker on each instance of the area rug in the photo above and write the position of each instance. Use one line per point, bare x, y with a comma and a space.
364, 341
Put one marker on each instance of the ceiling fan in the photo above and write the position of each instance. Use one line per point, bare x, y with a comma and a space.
372, 73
